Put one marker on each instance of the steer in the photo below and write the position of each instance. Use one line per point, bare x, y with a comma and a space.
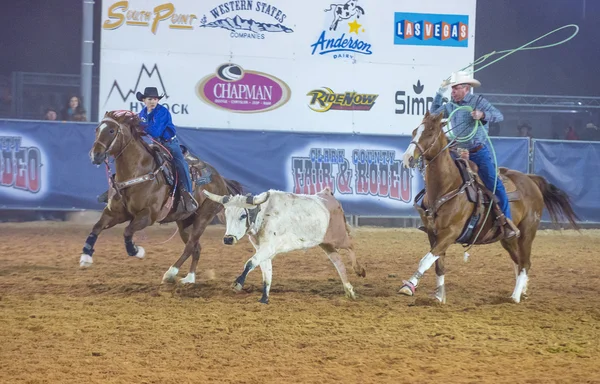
278, 222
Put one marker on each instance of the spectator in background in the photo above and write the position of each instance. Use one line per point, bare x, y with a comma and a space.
591, 133
570, 133
494, 129
73, 111
50, 114
524, 130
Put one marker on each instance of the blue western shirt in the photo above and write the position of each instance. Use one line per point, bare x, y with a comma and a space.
158, 123
462, 122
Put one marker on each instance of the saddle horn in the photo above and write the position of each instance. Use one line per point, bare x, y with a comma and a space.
216, 198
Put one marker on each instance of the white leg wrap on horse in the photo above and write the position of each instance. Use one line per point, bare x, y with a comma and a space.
189, 279
521, 283
425, 263
440, 280
170, 274
85, 261
140, 253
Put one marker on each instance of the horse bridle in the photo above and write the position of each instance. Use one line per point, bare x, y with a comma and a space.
119, 129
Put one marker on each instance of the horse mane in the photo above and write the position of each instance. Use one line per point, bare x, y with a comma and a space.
127, 118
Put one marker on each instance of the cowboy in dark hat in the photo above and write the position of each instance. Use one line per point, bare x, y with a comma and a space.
157, 122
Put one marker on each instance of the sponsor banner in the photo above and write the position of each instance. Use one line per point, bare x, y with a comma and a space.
431, 29
46, 166
573, 167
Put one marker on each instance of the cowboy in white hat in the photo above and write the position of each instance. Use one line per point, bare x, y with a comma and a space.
464, 122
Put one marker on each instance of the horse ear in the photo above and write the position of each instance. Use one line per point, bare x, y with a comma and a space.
439, 116
427, 114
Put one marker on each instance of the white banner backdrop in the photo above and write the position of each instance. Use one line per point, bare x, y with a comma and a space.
358, 66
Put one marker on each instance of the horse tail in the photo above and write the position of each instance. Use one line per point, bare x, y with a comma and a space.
556, 201
234, 187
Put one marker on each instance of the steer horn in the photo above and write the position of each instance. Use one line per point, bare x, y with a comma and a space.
216, 198
257, 200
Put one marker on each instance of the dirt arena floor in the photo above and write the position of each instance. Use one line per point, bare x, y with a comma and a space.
115, 323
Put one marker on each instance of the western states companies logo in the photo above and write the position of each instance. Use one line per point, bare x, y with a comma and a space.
227, 16
21, 172
121, 96
412, 103
337, 39
120, 14
242, 91
325, 99
431, 29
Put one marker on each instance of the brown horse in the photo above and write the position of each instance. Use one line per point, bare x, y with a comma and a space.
455, 207
143, 191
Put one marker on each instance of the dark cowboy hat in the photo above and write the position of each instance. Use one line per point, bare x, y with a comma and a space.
148, 92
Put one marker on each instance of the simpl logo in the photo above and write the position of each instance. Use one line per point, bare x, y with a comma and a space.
226, 16
334, 42
20, 167
325, 99
412, 103
431, 29
120, 14
145, 78
351, 172
242, 91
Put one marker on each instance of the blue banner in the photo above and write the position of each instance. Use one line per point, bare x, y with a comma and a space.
573, 167
45, 165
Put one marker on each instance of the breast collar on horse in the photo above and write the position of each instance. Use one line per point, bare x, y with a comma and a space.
127, 183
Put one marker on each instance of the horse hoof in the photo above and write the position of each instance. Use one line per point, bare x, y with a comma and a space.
170, 275
141, 252
264, 300
85, 261
407, 289
189, 279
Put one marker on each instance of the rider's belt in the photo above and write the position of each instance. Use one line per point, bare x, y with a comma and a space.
168, 141
476, 148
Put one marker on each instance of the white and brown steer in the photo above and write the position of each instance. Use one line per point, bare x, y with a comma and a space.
278, 222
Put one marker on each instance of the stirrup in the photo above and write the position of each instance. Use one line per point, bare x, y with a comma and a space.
190, 204
510, 229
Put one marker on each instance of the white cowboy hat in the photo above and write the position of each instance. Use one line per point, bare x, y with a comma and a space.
591, 125
462, 77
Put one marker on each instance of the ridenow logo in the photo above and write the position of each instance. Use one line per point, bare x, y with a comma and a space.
145, 78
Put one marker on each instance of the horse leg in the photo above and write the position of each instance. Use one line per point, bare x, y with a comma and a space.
266, 268
520, 253
208, 210
335, 258
140, 221
171, 274
107, 220
444, 238
440, 290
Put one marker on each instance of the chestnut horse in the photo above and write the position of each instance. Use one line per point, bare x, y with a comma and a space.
140, 192
451, 208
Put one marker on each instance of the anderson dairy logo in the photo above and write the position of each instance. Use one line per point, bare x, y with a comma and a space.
344, 34
243, 91
325, 99
269, 18
431, 29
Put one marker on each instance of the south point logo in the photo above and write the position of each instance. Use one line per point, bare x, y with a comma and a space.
342, 38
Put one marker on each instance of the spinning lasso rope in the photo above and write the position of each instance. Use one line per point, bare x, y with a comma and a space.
469, 135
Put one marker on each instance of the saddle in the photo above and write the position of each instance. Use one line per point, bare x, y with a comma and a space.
476, 192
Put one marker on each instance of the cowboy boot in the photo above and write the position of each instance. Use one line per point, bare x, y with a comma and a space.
190, 204
510, 229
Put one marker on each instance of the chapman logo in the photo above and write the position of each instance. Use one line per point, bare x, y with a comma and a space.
413, 103
351, 171
325, 99
343, 38
119, 14
118, 96
20, 167
431, 29
243, 91
227, 16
